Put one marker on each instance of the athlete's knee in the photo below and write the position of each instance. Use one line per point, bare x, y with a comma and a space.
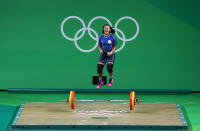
100, 63
99, 68
110, 67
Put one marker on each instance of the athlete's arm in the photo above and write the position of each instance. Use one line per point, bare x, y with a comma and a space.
100, 49
114, 48
112, 51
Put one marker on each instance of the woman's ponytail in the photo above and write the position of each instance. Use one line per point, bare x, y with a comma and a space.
112, 31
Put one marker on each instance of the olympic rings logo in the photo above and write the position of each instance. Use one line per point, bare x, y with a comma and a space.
96, 38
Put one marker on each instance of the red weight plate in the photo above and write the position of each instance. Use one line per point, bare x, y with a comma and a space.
130, 102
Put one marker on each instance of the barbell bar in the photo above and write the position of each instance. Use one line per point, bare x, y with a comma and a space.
132, 101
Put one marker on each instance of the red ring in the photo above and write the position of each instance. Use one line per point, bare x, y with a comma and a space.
130, 102
73, 100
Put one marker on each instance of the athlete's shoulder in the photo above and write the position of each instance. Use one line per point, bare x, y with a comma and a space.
101, 36
112, 36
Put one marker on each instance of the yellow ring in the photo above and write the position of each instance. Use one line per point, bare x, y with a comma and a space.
70, 98
133, 100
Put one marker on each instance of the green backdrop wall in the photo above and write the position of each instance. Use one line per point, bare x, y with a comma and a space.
164, 55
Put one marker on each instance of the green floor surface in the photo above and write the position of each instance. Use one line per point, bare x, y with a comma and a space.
189, 102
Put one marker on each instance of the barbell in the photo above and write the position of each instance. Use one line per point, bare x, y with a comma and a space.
132, 100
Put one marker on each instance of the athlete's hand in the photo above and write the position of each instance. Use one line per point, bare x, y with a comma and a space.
101, 51
109, 53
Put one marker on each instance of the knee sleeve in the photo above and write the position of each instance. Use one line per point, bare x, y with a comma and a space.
110, 68
99, 68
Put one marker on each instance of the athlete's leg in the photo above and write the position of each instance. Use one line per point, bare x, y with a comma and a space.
111, 60
110, 71
100, 66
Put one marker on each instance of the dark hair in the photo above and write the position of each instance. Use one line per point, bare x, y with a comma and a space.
111, 29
